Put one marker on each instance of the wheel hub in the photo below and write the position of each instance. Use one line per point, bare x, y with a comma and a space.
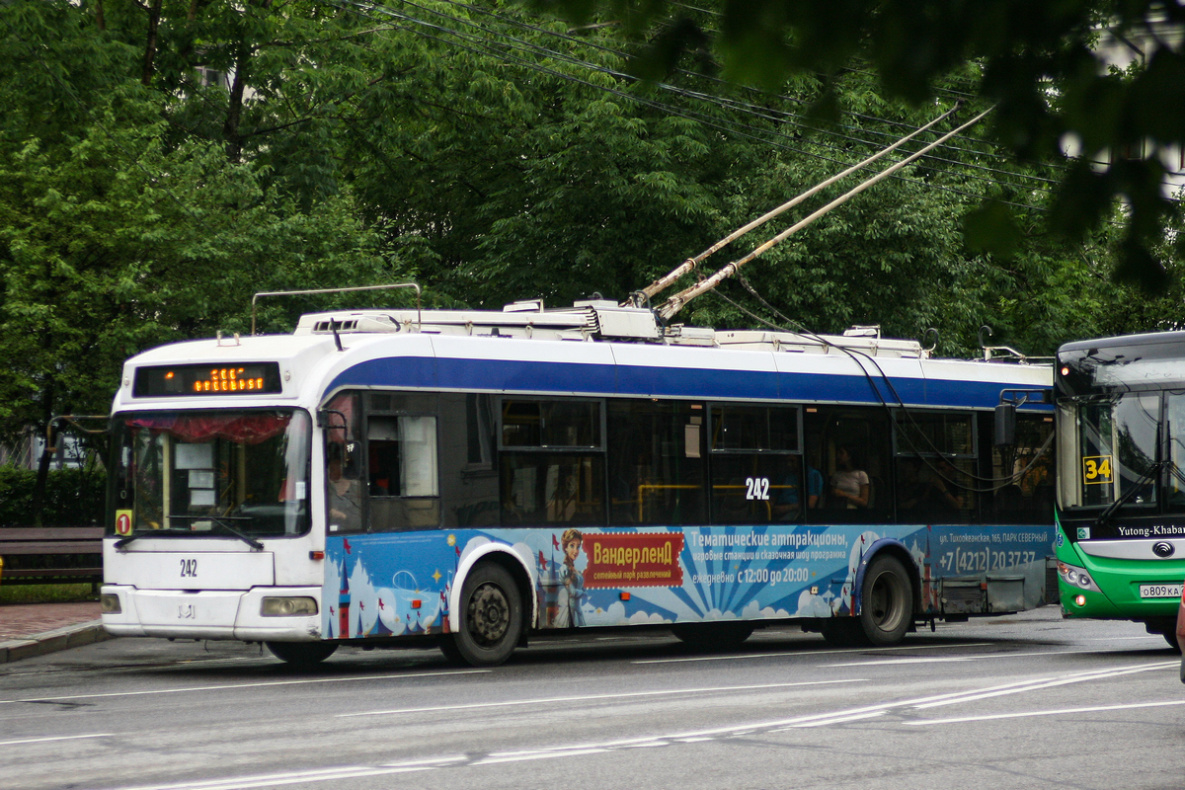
489, 614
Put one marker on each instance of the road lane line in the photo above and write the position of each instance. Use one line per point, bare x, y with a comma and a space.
51, 738
953, 659
595, 697
651, 741
805, 653
233, 686
304, 777
1026, 714
1044, 683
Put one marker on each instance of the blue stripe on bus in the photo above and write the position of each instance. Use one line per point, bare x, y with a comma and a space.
528, 375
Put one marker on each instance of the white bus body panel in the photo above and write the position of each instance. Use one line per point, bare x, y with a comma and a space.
209, 614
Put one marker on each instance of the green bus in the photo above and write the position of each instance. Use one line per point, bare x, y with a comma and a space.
1120, 486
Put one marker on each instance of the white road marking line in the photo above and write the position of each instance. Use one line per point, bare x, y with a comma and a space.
1124, 638
804, 653
953, 659
49, 739
595, 697
1043, 683
233, 686
1025, 714
735, 730
303, 777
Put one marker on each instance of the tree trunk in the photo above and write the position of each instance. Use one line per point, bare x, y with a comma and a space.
154, 11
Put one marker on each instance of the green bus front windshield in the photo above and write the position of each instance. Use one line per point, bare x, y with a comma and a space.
223, 472
1113, 449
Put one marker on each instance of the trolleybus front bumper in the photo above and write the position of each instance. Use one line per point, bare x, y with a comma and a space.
211, 614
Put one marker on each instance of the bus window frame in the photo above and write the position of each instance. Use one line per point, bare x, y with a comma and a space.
754, 488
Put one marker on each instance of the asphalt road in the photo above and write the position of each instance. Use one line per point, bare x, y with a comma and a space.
1022, 701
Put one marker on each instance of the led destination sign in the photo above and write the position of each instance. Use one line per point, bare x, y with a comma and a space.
249, 378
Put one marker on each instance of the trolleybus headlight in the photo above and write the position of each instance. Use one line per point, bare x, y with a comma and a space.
1076, 577
109, 604
275, 606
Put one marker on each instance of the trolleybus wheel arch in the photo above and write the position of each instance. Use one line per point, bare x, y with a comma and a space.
491, 616
302, 654
886, 601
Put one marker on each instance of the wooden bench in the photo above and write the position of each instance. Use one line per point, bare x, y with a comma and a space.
44, 555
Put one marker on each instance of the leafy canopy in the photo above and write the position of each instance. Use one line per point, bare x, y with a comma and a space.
1040, 63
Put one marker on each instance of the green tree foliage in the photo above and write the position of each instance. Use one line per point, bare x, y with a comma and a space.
1040, 66
117, 232
161, 162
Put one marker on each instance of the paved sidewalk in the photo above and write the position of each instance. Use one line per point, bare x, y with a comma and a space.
36, 629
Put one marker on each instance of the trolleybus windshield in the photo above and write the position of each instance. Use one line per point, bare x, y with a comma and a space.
242, 473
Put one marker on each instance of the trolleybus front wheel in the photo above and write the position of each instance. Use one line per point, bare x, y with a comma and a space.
491, 617
886, 601
301, 654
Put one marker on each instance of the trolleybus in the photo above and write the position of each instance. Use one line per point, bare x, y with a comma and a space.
471, 479
1121, 491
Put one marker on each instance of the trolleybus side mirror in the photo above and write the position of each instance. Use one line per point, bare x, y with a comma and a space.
1006, 424
338, 448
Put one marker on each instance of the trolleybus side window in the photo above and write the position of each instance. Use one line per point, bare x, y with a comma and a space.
343, 463
853, 451
756, 464
1022, 473
936, 465
402, 472
468, 454
552, 462
656, 463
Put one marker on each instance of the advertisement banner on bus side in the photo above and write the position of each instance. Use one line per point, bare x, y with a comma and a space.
398, 584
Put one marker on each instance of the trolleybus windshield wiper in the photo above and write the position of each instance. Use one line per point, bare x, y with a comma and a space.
149, 533
224, 522
1135, 486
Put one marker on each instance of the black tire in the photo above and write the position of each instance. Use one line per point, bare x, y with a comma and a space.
491, 617
718, 636
886, 602
448, 646
301, 654
1166, 627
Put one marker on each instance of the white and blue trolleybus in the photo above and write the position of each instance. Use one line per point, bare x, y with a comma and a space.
469, 479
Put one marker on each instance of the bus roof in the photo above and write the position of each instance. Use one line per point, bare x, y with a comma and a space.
593, 348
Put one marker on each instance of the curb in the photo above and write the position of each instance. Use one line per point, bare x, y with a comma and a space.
53, 641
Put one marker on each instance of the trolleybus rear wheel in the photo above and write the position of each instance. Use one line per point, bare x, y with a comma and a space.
491, 617
301, 654
886, 601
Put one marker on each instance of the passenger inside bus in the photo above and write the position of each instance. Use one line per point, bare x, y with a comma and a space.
850, 484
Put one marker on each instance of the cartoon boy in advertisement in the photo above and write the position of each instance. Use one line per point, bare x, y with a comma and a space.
570, 595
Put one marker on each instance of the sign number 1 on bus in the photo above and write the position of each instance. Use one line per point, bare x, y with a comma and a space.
1096, 469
